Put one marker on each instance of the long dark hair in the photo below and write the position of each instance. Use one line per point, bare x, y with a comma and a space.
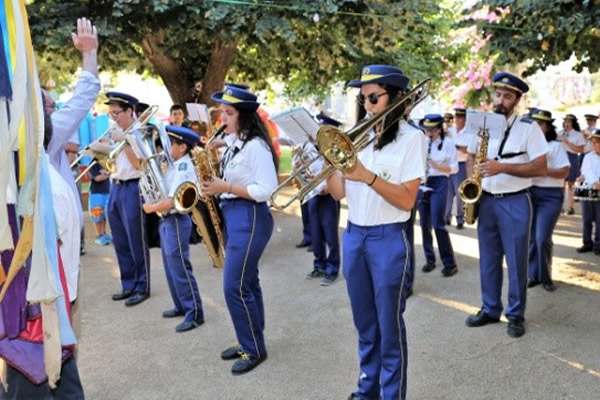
575, 125
551, 132
250, 126
390, 130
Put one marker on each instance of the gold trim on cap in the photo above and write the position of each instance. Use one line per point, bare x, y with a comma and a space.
504, 85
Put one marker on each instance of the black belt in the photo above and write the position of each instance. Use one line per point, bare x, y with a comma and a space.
122, 182
501, 195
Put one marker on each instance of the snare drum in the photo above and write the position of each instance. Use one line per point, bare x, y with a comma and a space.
586, 193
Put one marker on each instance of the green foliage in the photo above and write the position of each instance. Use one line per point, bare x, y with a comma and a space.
543, 31
282, 40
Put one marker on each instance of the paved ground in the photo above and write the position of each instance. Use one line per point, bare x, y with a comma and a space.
133, 353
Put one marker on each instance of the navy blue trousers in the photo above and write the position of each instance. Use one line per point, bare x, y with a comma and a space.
306, 238
591, 217
503, 230
248, 228
455, 180
128, 224
431, 214
324, 224
175, 230
547, 204
375, 265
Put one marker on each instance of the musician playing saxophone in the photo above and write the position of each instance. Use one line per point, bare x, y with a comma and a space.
175, 230
590, 176
505, 206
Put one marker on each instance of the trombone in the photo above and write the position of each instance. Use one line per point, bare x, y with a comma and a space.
109, 161
341, 149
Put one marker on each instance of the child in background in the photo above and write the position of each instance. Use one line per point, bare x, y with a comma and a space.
98, 201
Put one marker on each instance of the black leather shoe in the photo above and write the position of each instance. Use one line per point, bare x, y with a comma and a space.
533, 282
309, 248
480, 319
302, 244
172, 313
516, 327
597, 251
584, 249
409, 293
136, 299
449, 271
125, 294
460, 226
428, 267
188, 325
549, 287
231, 353
246, 363
353, 397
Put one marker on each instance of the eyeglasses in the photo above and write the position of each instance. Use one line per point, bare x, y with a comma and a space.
115, 114
372, 97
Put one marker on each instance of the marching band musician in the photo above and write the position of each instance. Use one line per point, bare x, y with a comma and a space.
432, 204
380, 191
249, 175
461, 141
125, 214
590, 120
175, 231
590, 176
573, 142
547, 197
504, 224
324, 215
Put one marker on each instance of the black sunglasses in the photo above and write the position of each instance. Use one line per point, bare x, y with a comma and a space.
372, 97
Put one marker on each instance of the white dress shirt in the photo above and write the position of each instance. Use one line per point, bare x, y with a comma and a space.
65, 123
462, 139
575, 137
180, 172
590, 169
556, 158
250, 165
125, 171
67, 221
442, 153
400, 161
525, 136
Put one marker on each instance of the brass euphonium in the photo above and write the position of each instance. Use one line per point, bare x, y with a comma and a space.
341, 149
206, 212
470, 189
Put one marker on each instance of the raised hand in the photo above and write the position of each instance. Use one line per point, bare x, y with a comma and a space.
86, 38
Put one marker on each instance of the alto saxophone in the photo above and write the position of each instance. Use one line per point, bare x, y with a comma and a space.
470, 189
206, 212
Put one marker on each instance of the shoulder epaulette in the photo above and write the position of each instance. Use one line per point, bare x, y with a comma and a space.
526, 119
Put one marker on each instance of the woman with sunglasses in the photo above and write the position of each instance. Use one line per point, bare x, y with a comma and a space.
441, 156
248, 176
380, 192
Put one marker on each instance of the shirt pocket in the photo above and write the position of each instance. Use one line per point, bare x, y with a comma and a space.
387, 168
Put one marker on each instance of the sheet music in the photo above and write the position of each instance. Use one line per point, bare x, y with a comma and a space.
297, 123
495, 123
197, 112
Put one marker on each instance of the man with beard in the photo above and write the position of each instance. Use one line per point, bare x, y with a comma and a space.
505, 207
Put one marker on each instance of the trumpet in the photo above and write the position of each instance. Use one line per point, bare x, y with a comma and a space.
341, 149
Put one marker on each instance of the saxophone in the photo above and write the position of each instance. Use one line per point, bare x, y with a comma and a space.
206, 212
470, 189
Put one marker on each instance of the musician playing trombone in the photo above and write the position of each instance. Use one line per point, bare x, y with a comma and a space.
380, 191
125, 216
590, 176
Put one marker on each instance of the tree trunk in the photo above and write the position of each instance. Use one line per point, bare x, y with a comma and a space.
221, 56
168, 68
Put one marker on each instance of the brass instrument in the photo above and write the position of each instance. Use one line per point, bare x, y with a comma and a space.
201, 159
152, 183
214, 153
143, 119
470, 189
341, 149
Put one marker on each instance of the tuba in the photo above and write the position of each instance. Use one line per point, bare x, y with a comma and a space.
470, 189
341, 149
206, 212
